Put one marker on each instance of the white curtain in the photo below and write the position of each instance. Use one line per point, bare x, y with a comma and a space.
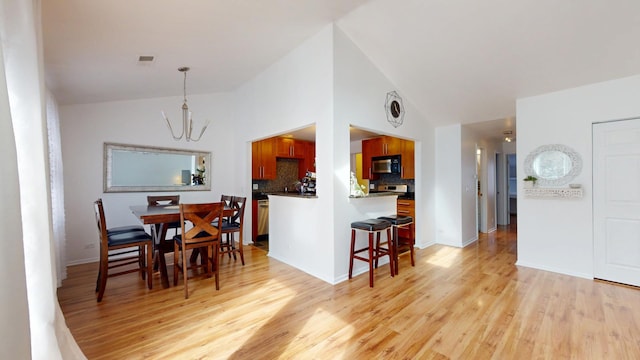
47, 335
57, 188
14, 334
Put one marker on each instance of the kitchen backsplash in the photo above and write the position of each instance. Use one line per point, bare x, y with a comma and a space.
286, 175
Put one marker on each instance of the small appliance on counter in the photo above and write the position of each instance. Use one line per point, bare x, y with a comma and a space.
307, 184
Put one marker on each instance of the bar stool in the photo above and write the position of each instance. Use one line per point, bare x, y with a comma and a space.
374, 252
401, 222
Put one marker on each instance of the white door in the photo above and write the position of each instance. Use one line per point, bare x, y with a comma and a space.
616, 201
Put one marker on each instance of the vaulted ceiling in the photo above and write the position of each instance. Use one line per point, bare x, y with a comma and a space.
458, 61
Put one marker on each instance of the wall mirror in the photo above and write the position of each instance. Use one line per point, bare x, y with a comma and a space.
553, 165
130, 168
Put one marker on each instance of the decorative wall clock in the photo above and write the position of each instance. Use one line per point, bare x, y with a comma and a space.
394, 109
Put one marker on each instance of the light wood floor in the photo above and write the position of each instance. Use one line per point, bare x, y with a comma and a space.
470, 303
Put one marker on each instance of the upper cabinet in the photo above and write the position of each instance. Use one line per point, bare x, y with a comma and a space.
408, 160
263, 159
369, 150
265, 152
290, 148
308, 163
388, 145
385, 145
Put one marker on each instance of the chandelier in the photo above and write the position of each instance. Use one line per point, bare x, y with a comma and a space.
187, 122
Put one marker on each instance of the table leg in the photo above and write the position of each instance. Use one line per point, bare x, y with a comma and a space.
159, 232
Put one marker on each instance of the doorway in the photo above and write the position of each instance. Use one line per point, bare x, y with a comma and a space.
512, 187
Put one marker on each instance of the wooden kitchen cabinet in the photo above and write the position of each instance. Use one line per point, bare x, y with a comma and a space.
263, 159
369, 149
388, 145
289, 148
408, 160
406, 207
384, 145
308, 163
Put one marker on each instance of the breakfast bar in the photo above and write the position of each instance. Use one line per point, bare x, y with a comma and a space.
302, 233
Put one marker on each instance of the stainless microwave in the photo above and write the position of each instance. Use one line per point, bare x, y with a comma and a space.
386, 164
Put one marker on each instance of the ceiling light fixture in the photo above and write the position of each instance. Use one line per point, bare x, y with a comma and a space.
187, 122
507, 135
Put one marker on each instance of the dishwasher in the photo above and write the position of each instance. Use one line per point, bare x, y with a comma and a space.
263, 219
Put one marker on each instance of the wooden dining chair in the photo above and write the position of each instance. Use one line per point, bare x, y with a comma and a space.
204, 235
232, 225
165, 200
121, 247
226, 199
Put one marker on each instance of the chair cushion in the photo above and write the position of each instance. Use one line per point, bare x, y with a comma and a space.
123, 229
173, 225
397, 220
128, 237
226, 226
371, 224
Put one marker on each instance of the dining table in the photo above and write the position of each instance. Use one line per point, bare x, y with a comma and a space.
158, 217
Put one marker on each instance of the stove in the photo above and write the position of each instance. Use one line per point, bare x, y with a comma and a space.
392, 188
402, 190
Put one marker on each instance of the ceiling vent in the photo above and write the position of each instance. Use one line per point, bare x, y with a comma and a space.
145, 58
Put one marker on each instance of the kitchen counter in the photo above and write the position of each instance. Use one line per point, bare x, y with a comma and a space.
376, 194
265, 195
299, 234
294, 194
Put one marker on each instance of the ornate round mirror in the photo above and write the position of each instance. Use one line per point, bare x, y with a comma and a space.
553, 165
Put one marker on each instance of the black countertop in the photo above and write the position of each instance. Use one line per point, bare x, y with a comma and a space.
265, 195
307, 195
257, 195
405, 196
408, 196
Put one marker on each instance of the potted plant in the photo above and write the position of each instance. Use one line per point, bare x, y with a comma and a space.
530, 181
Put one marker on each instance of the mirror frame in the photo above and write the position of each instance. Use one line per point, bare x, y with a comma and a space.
108, 162
576, 164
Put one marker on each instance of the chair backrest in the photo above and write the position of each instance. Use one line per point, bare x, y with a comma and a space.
157, 200
206, 219
226, 199
237, 203
100, 221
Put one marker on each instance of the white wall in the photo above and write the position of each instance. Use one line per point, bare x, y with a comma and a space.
449, 186
557, 235
468, 187
84, 129
360, 94
294, 92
